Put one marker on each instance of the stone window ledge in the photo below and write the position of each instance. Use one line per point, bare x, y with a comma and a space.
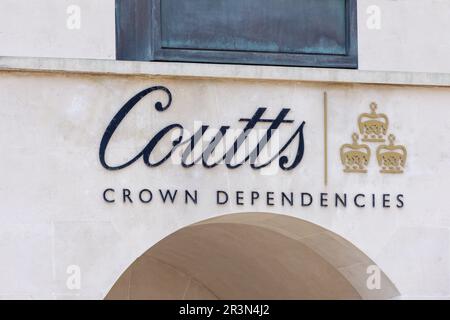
222, 71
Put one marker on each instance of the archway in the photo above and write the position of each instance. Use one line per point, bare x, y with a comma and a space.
251, 256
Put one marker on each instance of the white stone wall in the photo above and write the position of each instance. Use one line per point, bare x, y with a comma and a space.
402, 35
53, 215
412, 35
49, 28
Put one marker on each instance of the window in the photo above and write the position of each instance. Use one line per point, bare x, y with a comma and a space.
315, 33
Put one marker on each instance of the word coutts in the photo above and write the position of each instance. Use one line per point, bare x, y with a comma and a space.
188, 144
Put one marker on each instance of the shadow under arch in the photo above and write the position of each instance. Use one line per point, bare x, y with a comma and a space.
251, 256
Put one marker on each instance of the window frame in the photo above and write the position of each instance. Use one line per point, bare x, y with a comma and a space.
142, 41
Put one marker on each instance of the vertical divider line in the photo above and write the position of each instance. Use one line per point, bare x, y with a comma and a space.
325, 138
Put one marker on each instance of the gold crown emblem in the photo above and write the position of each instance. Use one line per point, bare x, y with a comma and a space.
391, 158
355, 157
373, 126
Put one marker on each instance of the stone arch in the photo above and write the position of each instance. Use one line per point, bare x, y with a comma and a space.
251, 256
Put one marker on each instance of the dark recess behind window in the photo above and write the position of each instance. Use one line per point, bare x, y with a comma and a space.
315, 33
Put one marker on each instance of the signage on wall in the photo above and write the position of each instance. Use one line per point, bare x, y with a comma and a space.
243, 144
373, 128
189, 143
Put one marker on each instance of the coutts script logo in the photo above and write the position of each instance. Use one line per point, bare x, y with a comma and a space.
233, 154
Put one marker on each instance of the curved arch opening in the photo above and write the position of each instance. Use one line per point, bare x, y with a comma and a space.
253, 256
